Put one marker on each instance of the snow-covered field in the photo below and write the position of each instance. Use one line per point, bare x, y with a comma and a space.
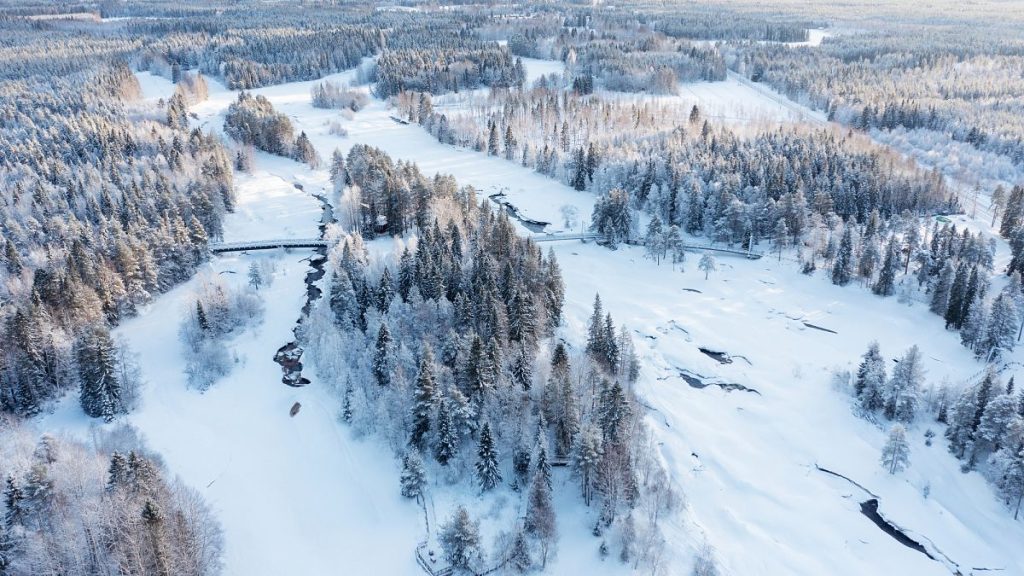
300, 496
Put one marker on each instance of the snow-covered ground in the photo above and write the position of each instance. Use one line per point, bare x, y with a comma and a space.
300, 496
752, 488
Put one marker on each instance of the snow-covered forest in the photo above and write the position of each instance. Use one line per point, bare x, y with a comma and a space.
652, 288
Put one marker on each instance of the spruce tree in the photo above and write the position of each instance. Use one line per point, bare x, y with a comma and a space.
842, 267
423, 401
101, 393
540, 517
414, 476
613, 412
447, 443
886, 284
957, 293
871, 379
903, 391
382, 360
940, 292
488, 474
1001, 335
586, 458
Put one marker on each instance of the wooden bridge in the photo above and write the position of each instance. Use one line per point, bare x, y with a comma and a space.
221, 247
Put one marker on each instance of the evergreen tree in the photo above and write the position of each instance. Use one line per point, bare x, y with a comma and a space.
423, 401
941, 290
870, 380
382, 360
1001, 335
305, 152
972, 334
447, 443
613, 412
492, 141
1010, 479
654, 240
957, 294
554, 291
343, 301
886, 284
488, 474
1013, 216
595, 330
542, 468
579, 174
102, 394
346, 404
201, 320
842, 268
15, 513
903, 391
540, 517
414, 476
896, 453
586, 457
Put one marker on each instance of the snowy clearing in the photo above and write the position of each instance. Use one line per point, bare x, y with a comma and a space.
746, 462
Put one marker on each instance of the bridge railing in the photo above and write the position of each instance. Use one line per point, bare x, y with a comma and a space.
267, 244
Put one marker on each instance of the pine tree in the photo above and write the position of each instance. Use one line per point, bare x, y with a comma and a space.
579, 174
901, 394
886, 284
447, 443
542, 468
14, 504
586, 458
117, 472
896, 453
423, 401
957, 294
871, 379
941, 290
613, 412
101, 393
305, 152
595, 330
654, 240
540, 517
972, 333
554, 291
385, 291
414, 476
492, 141
1001, 335
1013, 216
201, 320
479, 372
996, 420
382, 360
488, 474
153, 519
842, 268
1010, 479
346, 404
